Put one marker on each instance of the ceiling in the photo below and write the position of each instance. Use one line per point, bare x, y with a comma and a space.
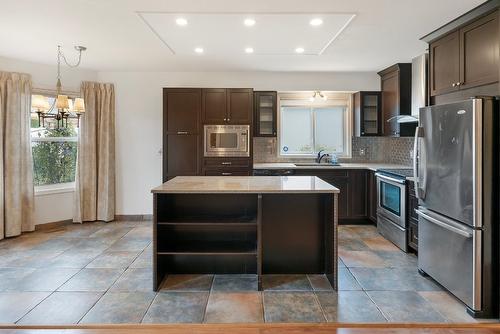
142, 35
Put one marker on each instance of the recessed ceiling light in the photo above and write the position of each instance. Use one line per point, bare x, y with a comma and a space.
299, 50
316, 22
181, 21
249, 22
249, 50
198, 50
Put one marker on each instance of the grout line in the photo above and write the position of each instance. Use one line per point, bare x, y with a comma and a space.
321, 306
208, 298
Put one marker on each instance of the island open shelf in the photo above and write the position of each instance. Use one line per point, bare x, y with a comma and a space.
245, 225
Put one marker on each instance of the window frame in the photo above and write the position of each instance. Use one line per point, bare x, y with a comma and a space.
301, 100
62, 187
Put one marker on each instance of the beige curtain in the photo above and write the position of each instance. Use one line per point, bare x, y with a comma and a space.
95, 176
16, 162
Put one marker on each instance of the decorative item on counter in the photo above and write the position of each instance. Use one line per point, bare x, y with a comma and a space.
334, 159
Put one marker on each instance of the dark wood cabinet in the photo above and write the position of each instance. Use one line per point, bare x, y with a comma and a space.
181, 127
479, 51
183, 155
265, 114
396, 99
412, 216
227, 106
214, 106
358, 194
352, 200
466, 57
445, 64
240, 105
367, 114
372, 196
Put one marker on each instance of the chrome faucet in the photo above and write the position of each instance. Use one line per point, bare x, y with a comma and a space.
320, 156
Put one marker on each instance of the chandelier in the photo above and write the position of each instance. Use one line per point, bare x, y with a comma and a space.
63, 107
318, 94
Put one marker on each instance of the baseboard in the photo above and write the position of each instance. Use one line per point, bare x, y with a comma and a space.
53, 225
133, 217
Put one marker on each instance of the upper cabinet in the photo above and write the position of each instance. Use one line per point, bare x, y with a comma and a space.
367, 114
396, 99
227, 106
265, 105
182, 110
466, 57
240, 105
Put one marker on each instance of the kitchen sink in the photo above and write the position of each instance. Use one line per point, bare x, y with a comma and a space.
314, 164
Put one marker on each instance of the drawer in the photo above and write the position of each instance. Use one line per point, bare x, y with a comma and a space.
228, 172
226, 163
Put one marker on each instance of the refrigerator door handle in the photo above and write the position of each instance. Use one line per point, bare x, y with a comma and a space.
443, 224
418, 134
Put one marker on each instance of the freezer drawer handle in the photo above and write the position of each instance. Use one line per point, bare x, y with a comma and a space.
444, 225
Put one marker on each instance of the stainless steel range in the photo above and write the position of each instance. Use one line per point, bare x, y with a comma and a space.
391, 205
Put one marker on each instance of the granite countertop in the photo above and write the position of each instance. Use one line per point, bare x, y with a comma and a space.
244, 184
348, 165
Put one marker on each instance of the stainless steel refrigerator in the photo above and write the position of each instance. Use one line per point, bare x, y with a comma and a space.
456, 168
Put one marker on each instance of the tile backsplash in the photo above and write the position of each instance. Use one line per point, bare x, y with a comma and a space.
364, 149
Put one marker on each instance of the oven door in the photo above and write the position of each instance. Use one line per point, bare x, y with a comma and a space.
226, 141
391, 199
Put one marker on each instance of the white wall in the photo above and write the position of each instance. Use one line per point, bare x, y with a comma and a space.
139, 117
55, 206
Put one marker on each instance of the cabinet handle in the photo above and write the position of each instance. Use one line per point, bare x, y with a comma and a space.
182, 132
225, 119
227, 174
460, 83
453, 84
228, 119
226, 163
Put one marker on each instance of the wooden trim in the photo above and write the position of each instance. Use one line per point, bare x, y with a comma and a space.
53, 225
139, 217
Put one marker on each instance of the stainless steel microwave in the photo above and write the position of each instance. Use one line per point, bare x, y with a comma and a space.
227, 140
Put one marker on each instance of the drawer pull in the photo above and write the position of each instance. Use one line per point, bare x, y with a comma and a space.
227, 174
182, 132
226, 163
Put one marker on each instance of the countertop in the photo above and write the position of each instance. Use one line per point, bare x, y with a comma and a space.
348, 165
244, 184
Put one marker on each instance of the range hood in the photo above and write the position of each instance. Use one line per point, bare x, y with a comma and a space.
418, 90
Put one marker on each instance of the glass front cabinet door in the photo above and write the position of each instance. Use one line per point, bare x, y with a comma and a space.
265, 104
367, 114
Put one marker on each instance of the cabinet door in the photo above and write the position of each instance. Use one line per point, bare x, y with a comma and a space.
240, 106
343, 185
180, 156
265, 117
372, 195
214, 106
181, 110
370, 113
358, 194
445, 64
390, 103
479, 50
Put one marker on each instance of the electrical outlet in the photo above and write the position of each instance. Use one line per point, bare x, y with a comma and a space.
362, 152
411, 153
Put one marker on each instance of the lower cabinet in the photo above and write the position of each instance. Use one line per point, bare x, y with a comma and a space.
372, 196
227, 167
412, 217
353, 186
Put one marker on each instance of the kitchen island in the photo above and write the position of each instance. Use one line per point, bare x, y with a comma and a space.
245, 225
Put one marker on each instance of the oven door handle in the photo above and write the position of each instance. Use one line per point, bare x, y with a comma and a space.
391, 179
447, 226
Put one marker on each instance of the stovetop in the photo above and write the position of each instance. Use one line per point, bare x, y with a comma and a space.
399, 173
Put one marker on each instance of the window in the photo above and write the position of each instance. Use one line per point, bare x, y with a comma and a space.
54, 150
305, 130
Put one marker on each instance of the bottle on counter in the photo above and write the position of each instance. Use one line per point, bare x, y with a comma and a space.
334, 160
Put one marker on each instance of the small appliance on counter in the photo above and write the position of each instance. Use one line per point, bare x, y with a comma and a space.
391, 205
456, 182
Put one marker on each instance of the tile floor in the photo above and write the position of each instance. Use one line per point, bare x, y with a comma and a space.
101, 273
